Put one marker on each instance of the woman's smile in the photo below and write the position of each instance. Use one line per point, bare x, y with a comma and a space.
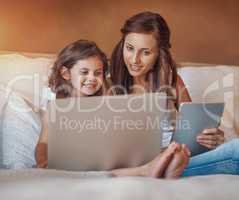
136, 68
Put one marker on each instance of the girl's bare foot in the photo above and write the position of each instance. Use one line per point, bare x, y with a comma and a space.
178, 163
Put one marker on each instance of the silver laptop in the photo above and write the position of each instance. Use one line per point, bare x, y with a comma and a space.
105, 132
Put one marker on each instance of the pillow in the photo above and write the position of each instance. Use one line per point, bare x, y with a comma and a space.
19, 133
25, 75
216, 84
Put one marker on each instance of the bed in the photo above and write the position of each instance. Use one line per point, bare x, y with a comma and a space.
22, 78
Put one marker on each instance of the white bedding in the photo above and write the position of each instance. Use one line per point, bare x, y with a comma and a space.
51, 184
36, 184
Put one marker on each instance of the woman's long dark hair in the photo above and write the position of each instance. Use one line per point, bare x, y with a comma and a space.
164, 73
68, 57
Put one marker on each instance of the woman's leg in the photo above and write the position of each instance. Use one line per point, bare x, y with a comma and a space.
222, 160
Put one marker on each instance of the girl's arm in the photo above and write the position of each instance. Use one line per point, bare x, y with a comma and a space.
41, 148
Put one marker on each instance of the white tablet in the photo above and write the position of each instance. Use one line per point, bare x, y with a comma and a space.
192, 119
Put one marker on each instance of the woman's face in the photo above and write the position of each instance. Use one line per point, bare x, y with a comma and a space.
87, 76
140, 53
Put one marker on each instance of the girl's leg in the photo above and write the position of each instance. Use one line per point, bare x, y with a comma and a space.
222, 160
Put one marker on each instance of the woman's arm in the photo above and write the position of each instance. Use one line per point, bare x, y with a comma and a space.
181, 92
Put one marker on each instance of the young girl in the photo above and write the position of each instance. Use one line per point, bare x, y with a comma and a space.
141, 62
80, 71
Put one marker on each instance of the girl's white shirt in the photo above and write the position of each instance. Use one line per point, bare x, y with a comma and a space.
47, 95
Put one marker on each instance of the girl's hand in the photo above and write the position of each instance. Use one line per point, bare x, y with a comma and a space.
211, 138
41, 155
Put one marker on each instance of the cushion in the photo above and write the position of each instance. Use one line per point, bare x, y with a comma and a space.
19, 133
208, 83
25, 75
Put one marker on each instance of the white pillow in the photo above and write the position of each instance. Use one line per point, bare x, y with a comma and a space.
19, 133
25, 75
216, 84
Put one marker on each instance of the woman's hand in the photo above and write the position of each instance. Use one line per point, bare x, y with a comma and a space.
211, 138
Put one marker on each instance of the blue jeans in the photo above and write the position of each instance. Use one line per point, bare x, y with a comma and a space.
222, 160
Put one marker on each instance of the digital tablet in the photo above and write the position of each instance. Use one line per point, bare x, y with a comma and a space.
192, 119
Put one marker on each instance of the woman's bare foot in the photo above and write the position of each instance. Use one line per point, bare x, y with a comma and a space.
154, 168
168, 164
157, 166
178, 163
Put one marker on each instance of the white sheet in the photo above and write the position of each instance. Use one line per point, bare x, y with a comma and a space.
51, 184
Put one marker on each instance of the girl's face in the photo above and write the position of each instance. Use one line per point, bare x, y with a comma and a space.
140, 53
86, 76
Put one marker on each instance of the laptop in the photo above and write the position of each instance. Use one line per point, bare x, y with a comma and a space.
105, 132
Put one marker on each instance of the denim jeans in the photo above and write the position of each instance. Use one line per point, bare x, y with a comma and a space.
222, 160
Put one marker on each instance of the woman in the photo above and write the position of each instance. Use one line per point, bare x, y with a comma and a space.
141, 62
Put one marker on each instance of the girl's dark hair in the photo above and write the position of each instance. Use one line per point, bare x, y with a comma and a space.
68, 57
164, 72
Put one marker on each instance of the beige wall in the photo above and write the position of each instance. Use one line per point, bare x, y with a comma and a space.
202, 31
